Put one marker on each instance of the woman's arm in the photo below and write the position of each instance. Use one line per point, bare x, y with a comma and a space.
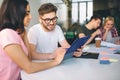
105, 34
16, 53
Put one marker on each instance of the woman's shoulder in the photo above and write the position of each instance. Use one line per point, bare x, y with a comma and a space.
8, 32
9, 36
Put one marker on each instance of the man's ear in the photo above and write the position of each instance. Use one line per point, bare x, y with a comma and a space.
39, 19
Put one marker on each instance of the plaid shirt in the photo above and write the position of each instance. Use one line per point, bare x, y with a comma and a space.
113, 32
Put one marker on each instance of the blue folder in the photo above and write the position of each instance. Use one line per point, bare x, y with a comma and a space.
77, 43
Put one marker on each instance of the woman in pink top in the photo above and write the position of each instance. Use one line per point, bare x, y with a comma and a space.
14, 48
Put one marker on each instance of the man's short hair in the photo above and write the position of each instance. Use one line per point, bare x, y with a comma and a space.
47, 8
96, 16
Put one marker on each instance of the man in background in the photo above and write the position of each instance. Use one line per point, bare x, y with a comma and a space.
91, 28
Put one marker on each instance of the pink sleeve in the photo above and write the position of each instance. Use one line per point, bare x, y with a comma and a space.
8, 36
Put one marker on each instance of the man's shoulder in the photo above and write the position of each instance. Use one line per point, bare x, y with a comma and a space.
35, 26
81, 27
57, 27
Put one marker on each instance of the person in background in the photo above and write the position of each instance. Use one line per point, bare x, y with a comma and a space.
14, 48
91, 28
108, 31
45, 36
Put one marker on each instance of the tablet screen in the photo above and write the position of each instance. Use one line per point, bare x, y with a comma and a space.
77, 43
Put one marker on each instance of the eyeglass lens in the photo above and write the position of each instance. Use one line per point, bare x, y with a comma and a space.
48, 20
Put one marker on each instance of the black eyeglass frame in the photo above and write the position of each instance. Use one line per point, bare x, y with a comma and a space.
48, 20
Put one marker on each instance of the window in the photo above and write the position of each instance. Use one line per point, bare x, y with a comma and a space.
82, 11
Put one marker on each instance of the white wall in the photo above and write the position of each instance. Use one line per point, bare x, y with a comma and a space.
1, 1
34, 5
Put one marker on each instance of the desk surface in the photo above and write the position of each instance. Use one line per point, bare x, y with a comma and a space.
79, 69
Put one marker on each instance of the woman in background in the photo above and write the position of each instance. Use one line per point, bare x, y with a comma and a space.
108, 31
14, 48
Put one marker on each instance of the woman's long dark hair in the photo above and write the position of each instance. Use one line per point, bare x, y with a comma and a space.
12, 14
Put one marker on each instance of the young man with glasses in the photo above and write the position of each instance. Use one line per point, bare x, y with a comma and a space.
45, 36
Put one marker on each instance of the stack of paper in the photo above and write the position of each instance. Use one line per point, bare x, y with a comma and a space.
108, 44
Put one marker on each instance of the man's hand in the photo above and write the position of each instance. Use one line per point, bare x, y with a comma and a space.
78, 53
97, 32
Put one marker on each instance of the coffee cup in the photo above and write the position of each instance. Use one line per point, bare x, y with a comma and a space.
97, 42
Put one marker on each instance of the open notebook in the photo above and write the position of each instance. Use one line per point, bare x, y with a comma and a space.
77, 43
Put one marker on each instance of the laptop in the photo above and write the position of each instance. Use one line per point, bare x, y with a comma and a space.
77, 43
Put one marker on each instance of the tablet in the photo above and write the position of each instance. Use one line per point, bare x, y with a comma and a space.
77, 43
89, 55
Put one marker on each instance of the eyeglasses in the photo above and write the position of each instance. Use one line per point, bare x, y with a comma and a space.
48, 20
